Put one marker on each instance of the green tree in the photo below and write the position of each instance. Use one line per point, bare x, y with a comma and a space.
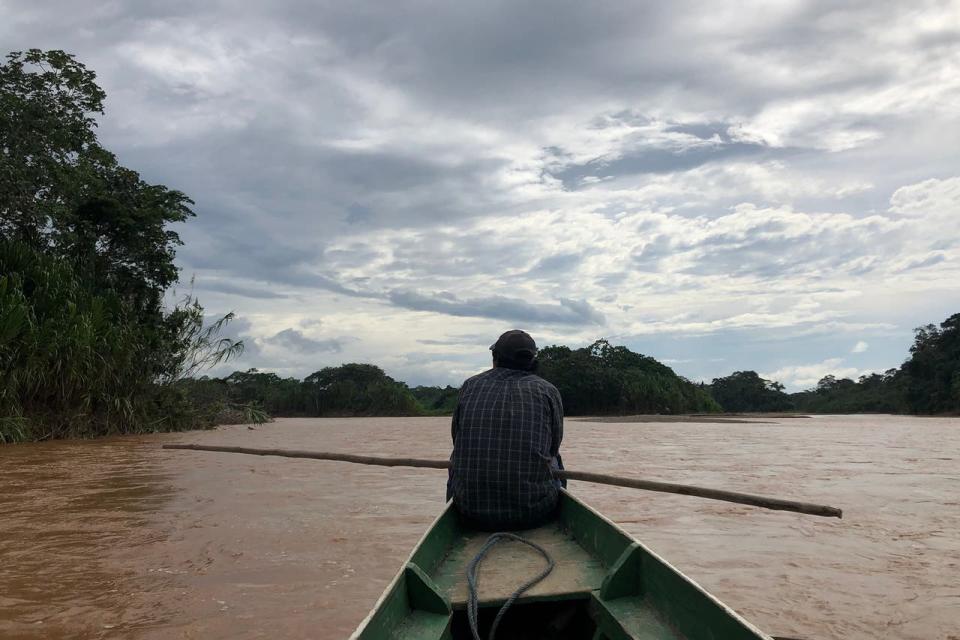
932, 374
359, 390
86, 256
278, 396
436, 400
62, 192
47, 102
607, 379
746, 391
873, 393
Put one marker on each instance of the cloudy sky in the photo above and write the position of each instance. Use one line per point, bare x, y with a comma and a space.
758, 185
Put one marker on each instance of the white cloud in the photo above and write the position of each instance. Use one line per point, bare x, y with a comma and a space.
931, 198
860, 347
805, 376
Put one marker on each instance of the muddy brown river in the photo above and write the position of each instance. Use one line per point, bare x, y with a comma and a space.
116, 538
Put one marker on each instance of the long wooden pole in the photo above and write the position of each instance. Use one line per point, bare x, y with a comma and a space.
598, 478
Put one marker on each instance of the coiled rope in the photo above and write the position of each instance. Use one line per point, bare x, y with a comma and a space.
473, 600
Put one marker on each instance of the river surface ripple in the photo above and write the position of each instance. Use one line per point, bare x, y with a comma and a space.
116, 538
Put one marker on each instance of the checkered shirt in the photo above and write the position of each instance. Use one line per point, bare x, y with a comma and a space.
507, 429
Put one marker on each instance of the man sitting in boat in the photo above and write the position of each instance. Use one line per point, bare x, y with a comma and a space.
507, 429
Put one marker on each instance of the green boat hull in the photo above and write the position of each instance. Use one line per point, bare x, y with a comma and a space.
605, 585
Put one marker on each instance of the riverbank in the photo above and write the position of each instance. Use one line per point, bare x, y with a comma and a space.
689, 419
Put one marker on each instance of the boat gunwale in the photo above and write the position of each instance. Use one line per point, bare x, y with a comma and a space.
388, 590
729, 610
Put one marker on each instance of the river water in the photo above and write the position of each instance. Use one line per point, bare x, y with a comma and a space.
116, 538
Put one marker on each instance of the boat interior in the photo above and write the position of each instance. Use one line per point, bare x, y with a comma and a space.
605, 585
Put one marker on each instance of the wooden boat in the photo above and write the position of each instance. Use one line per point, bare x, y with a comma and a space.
605, 586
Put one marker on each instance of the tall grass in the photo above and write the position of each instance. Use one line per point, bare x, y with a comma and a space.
75, 362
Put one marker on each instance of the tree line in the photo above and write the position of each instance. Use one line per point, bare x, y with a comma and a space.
927, 383
348, 390
604, 379
599, 379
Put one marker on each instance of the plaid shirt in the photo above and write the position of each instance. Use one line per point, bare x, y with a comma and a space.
507, 429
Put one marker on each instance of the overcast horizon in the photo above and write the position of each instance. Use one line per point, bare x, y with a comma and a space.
772, 186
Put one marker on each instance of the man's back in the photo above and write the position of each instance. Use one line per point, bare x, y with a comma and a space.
507, 430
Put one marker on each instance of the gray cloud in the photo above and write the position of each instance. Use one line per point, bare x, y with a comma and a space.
927, 261
240, 290
296, 340
569, 312
552, 266
772, 248
652, 160
647, 257
458, 339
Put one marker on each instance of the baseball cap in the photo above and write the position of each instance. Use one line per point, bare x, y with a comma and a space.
515, 345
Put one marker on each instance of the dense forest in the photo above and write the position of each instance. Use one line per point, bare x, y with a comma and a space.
352, 389
87, 346
744, 391
605, 379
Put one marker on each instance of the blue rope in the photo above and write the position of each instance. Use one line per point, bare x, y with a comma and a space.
473, 600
